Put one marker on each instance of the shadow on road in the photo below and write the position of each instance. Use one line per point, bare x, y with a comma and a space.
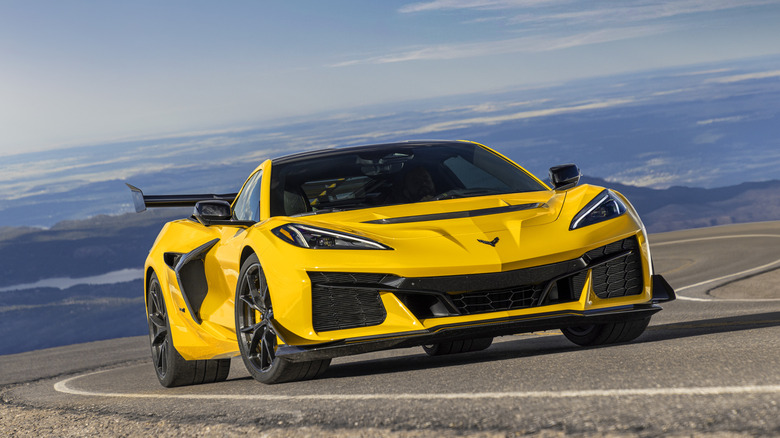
710, 326
539, 346
415, 359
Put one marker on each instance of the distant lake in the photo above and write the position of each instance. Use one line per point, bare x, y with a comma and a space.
62, 283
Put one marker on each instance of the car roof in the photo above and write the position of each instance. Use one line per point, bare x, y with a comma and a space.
365, 148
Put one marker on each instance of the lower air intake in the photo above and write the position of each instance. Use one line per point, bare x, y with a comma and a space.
344, 305
620, 277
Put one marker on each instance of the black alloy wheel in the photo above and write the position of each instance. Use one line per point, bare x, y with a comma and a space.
158, 328
257, 334
171, 368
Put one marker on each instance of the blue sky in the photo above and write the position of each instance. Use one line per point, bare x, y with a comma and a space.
86, 72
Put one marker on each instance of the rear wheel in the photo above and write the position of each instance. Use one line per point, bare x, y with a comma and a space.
611, 333
256, 331
454, 347
171, 368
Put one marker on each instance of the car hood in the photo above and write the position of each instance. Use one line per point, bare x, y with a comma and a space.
453, 217
462, 236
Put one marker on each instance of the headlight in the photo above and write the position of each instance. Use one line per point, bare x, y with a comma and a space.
306, 236
603, 207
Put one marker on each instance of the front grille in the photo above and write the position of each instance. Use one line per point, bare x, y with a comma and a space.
620, 277
338, 302
492, 301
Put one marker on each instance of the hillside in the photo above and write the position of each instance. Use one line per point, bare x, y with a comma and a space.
679, 208
79, 248
47, 316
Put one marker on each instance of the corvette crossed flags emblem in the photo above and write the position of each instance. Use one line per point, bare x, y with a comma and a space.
491, 243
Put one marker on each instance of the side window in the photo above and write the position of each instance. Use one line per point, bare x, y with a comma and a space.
247, 206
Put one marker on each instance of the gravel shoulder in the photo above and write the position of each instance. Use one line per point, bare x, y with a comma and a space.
35, 422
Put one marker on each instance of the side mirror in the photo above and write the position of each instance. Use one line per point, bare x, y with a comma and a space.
208, 212
565, 176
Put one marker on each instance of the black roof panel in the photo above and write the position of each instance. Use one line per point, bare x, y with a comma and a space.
365, 148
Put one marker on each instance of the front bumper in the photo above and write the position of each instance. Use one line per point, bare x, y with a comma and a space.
661, 292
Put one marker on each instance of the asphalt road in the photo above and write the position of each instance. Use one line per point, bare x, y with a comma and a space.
709, 364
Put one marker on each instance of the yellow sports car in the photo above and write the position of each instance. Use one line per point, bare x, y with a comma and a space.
439, 244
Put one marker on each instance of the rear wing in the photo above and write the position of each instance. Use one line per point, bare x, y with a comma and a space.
141, 201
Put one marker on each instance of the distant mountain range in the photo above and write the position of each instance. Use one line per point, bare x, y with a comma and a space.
43, 317
678, 208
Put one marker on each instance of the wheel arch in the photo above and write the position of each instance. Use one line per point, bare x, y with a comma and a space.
245, 253
148, 278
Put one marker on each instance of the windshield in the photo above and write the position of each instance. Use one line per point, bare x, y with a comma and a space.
392, 174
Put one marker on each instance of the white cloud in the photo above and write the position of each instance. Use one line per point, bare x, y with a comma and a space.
721, 120
704, 72
744, 77
600, 13
654, 180
590, 12
64, 182
486, 107
502, 47
658, 162
707, 138
465, 123
669, 92
486, 121
661, 175
653, 173
439, 5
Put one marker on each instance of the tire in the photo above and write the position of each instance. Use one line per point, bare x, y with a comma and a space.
454, 347
171, 368
611, 333
256, 332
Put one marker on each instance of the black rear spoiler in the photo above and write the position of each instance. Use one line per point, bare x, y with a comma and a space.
142, 201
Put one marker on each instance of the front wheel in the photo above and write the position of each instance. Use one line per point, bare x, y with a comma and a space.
257, 335
611, 333
171, 368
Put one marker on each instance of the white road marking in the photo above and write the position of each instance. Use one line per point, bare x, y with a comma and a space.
725, 277
64, 387
699, 239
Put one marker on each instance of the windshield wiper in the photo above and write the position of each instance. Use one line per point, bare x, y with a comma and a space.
344, 207
318, 211
466, 193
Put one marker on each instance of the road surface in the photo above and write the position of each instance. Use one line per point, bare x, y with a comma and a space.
707, 365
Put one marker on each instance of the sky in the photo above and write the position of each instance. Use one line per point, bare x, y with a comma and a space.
87, 72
